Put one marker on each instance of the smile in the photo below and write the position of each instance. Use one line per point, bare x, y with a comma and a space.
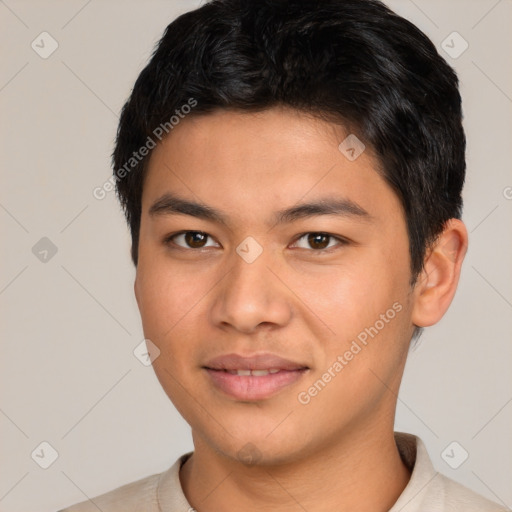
256, 373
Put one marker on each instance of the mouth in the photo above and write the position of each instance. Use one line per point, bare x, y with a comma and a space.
253, 378
256, 373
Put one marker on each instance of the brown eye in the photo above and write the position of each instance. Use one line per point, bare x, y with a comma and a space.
195, 239
190, 240
318, 240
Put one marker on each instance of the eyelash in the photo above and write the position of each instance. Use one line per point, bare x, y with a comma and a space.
168, 240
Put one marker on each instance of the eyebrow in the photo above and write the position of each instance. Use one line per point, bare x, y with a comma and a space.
170, 204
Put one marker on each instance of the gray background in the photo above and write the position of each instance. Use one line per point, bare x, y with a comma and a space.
70, 321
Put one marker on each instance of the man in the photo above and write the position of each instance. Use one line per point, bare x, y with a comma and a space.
291, 173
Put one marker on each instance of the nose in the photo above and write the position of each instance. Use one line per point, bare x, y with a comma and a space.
251, 297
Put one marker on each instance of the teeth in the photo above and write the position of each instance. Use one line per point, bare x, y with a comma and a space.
255, 373
259, 373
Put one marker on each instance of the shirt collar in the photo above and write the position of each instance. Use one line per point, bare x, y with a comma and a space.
415, 456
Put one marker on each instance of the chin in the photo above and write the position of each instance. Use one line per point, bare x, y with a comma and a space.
258, 450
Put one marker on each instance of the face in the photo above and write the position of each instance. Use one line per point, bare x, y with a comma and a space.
236, 273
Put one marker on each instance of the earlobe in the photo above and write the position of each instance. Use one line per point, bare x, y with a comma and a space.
437, 283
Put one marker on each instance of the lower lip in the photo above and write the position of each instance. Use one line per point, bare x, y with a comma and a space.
250, 387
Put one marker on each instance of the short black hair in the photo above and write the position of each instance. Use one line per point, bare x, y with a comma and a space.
354, 62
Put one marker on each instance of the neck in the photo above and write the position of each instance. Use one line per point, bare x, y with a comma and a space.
362, 472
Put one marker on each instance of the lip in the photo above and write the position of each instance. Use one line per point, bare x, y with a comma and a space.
253, 387
255, 362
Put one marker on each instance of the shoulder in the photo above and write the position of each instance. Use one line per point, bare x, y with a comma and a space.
430, 490
148, 494
132, 497
456, 497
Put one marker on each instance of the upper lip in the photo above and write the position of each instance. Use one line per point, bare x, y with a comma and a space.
255, 362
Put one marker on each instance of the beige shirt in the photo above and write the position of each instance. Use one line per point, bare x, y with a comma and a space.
427, 490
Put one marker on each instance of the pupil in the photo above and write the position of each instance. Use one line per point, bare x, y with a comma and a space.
315, 239
195, 239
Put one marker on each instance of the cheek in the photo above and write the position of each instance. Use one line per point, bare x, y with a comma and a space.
366, 306
350, 297
167, 297
170, 307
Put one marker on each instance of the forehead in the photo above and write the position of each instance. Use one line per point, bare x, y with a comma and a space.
252, 161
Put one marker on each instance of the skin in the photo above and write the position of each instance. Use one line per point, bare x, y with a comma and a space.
338, 451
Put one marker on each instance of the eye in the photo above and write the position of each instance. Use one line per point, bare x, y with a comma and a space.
319, 241
189, 239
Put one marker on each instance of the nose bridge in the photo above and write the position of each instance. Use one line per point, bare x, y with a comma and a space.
249, 268
251, 294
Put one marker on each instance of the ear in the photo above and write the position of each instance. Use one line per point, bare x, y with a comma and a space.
437, 282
